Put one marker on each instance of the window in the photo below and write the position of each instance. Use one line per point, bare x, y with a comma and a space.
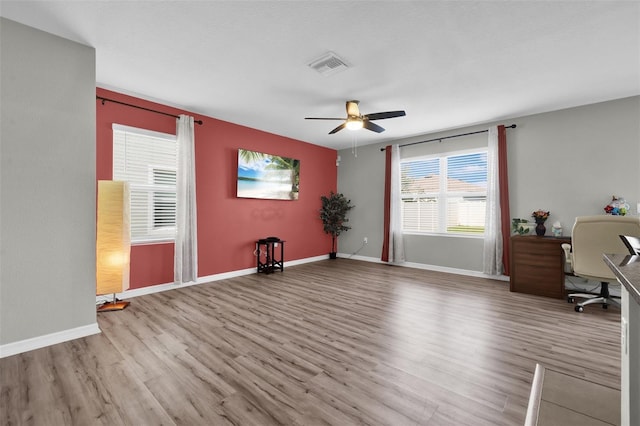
445, 193
164, 202
148, 161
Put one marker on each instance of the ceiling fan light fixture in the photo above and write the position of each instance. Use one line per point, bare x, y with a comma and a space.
355, 120
354, 123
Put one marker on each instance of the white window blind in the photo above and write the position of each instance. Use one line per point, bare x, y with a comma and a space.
148, 161
445, 193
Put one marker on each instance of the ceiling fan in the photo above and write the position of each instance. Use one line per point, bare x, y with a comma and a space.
355, 120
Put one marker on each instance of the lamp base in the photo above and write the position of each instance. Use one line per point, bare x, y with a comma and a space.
112, 306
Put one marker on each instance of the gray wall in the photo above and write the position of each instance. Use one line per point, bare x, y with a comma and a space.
569, 162
47, 184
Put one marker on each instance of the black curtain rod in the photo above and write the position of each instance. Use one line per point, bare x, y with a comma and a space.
139, 107
513, 126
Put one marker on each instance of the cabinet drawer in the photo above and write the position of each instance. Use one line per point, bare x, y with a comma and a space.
535, 273
540, 289
538, 250
552, 262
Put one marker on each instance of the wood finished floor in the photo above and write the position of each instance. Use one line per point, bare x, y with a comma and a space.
338, 342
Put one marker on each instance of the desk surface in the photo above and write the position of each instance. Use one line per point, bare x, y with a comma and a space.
627, 270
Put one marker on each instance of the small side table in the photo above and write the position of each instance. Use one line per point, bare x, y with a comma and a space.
269, 263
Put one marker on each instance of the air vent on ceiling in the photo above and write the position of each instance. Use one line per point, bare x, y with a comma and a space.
329, 64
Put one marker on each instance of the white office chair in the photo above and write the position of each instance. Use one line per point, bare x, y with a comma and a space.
591, 237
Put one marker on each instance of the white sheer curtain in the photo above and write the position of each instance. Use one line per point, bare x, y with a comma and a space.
186, 246
492, 264
396, 240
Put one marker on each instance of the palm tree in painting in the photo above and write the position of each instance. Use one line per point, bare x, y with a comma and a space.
251, 156
276, 163
285, 163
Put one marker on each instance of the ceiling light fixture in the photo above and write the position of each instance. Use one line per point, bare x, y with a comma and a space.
354, 123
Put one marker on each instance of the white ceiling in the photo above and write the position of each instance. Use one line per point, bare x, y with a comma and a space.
448, 64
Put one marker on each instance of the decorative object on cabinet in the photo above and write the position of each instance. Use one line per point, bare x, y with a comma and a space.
556, 229
617, 206
540, 217
520, 226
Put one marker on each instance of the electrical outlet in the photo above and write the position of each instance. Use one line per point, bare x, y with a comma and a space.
366, 240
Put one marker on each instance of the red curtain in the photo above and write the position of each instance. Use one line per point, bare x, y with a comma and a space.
387, 204
503, 181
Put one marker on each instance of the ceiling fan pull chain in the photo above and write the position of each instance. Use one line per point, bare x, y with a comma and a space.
354, 146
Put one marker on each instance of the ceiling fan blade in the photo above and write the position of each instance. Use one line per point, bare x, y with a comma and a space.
322, 118
352, 108
337, 129
372, 126
383, 115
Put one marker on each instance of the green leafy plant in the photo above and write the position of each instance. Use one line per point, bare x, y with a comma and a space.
519, 226
334, 216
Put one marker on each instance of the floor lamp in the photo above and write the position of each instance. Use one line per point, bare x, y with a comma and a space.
113, 243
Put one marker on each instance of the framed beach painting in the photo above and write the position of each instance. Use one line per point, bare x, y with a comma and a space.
267, 176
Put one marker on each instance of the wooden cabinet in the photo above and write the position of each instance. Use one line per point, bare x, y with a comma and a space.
537, 265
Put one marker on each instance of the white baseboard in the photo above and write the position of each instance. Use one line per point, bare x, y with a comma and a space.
457, 271
48, 340
203, 280
358, 257
427, 267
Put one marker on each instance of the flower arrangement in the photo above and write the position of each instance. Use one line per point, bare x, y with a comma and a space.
617, 207
540, 216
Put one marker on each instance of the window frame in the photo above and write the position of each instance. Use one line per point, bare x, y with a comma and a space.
148, 233
442, 195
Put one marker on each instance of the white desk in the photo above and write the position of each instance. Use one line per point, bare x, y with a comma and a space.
627, 270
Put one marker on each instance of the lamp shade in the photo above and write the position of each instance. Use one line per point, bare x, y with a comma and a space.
113, 241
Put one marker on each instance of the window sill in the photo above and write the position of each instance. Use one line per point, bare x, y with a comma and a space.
150, 242
437, 234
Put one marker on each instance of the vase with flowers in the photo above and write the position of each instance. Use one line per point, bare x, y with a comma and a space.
540, 217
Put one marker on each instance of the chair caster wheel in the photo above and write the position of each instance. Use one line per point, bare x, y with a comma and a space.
579, 308
570, 300
605, 306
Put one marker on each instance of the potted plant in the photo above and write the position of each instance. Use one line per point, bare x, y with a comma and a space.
520, 226
334, 216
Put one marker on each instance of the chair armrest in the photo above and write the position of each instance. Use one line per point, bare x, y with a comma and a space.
568, 256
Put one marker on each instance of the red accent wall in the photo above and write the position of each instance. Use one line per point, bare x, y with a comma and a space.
227, 226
